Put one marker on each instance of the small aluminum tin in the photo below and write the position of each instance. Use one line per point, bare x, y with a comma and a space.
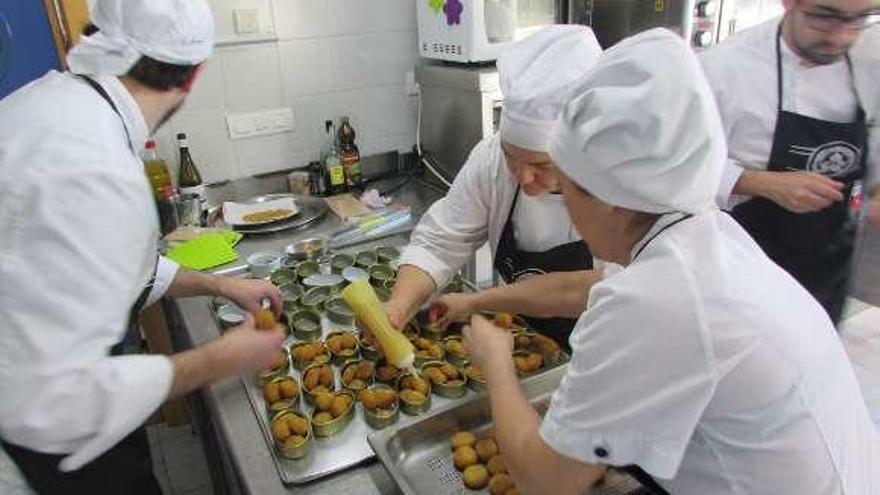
380, 418
314, 298
333, 427
230, 315
366, 259
368, 350
422, 359
305, 324
307, 394
451, 391
367, 382
331, 280
382, 293
353, 273
338, 311
283, 276
339, 262
408, 407
452, 357
290, 295
380, 274
346, 355
307, 249
306, 269
321, 359
276, 407
474, 383
387, 253
412, 330
526, 353
292, 452
393, 380
267, 376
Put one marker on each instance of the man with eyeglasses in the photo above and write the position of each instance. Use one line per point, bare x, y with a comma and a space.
798, 106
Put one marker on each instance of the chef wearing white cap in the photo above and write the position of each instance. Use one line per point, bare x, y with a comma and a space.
528, 233
702, 361
79, 245
799, 109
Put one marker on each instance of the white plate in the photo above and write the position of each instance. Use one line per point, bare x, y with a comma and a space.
233, 213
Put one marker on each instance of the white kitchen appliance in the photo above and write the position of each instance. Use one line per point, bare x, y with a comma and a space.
477, 30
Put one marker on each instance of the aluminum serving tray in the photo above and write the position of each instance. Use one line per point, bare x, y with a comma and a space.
311, 209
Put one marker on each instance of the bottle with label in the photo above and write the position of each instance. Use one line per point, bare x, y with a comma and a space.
332, 164
189, 180
156, 170
349, 154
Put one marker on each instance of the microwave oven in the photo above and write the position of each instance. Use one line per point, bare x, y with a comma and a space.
473, 31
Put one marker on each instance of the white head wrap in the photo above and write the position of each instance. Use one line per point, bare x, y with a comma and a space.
177, 32
642, 131
535, 75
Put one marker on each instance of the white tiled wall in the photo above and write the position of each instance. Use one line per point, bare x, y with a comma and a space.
332, 58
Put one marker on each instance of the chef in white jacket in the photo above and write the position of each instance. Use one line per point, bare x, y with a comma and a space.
701, 361
78, 255
507, 191
799, 108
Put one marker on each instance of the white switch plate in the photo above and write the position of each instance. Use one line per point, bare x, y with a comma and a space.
248, 125
247, 21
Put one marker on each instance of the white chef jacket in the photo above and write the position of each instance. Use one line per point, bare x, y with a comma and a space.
742, 73
475, 210
78, 244
710, 367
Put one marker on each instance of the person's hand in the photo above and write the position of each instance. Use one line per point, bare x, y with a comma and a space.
397, 315
803, 192
249, 293
873, 212
449, 308
486, 342
243, 349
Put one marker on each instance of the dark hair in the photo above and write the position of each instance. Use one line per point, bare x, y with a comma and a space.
152, 73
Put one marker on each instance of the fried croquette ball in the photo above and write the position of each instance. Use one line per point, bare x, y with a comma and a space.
322, 417
496, 465
357, 384
294, 440
348, 341
298, 425
475, 373
312, 378
500, 484
279, 361
264, 319
450, 371
413, 396
534, 361
289, 389
463, 457
503, 320
339, 405
486, 449
520, 363
545, 345
417, 384
369, 399
272, 392
435, 375
387, 373
348, 374
323, 402
455, 347
280, 430
423, 343
304, 353
463, 439
326, 377
365, 370
320, 390
476, 477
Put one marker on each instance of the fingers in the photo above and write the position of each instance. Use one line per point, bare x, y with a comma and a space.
275, 300
827, 189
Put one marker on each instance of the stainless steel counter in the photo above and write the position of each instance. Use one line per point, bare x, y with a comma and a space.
232, 419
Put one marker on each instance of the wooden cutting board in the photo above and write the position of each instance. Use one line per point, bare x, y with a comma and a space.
346, 206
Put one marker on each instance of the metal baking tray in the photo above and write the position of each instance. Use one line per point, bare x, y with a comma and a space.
311, 209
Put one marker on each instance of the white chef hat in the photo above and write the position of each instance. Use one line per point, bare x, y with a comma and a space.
179, 32
535, 75
642, 131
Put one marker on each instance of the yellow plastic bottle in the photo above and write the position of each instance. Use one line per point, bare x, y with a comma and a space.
362, 299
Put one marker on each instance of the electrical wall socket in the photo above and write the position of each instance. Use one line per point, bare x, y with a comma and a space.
247, 21
248, 125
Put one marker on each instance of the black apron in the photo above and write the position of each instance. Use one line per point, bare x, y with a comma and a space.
514, 264
815, 248
125, 468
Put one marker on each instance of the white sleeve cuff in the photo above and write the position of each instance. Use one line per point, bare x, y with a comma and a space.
425, 260
166, 270
725, 198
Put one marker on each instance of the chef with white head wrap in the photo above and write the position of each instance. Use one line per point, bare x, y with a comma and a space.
507, 192
701, 361
78, 249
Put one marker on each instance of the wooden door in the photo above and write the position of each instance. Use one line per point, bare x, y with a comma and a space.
67, 18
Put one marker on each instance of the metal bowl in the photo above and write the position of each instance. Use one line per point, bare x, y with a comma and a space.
347, 384
345, 355
338, 311
283, 276
387, 253
282, 404
297, 451
474, 382
366, 259
453, 358
230, 315
336, 425
307, 249
320, 359
381, 418
331, 280
369, 350
309, 394
290, 296
282, 370
422, 358
413, 408
339, 262
314, 298
380, 274
306, 269
305, 324
392, 380
449, 390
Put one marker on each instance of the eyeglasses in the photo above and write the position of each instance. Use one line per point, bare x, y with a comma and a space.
828, 21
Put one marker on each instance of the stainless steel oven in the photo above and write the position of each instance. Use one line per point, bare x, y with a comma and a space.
695, 20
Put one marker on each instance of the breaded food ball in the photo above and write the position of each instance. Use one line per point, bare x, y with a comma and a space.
340, 405
450, 371
298, 425
503, 320
435, 375
326, 376
280, 430
500, 484
455, 347
417, 384
356, 384
320, 390
486, 449
365, 370
323, 402
463, 439
463, 457
475, 373
294, 440
476, 477
348, 373
272, 392
413, 396
496, 465
387, 373
322, 417
289, 389
279, 361
534, 361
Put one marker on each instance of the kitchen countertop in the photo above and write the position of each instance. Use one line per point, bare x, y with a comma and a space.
227, 402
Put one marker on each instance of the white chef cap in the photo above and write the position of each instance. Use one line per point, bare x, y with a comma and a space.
535, 75
642, 131
179, 32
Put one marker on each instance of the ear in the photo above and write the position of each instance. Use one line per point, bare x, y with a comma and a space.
187, 85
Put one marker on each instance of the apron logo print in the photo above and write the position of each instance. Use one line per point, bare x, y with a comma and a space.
834, 159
